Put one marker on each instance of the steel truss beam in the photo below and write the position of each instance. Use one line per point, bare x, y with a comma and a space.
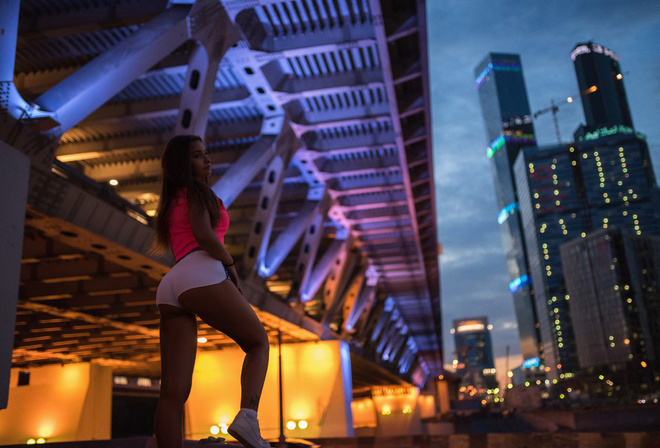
363, 302
89, 18
285, 242
95, 83
316, 102
75, 315
266, 212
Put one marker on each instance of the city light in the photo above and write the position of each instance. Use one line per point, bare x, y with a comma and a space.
471, 326
518, 283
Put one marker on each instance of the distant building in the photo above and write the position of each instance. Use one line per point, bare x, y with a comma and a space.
474, 355
551, 195
508, 120
551, 212
566, 192
613, 277
601, 82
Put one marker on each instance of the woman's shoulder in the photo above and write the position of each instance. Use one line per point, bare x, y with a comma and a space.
181, 198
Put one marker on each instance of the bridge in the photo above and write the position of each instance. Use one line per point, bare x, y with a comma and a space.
316, 115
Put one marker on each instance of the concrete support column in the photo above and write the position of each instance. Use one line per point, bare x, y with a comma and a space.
316, 387
14, 174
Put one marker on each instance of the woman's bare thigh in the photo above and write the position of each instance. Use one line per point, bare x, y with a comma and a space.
224, 308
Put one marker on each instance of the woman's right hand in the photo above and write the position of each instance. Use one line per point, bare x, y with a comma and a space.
233, 276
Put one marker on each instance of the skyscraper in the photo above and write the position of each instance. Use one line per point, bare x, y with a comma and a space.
506, 113
601, 85
613, 277
551, 195
474, 353
550, 209
565, 192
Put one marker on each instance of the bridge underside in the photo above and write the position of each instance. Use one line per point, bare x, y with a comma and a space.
316, 117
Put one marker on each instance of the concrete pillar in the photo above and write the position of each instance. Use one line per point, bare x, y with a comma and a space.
14, 174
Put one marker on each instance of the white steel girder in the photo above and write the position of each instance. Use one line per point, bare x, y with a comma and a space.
311, 240
285, 242
266, 212
94, 84
321, 270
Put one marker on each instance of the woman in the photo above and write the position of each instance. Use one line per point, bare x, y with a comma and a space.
192, 222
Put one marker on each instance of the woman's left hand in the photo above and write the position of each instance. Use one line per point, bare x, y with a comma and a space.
233, 276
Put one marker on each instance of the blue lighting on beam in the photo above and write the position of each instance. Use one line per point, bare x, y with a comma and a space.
519, 283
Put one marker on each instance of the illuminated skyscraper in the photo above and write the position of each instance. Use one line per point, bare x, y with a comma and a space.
613, 276
550, 212
474, 353
601, 85
506, 112
602, 180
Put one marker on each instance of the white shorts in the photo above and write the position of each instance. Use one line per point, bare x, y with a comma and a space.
192, 271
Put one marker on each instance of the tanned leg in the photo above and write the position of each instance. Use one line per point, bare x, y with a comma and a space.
178, 347
225, 309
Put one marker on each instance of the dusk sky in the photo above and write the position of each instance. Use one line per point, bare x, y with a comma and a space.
474, 279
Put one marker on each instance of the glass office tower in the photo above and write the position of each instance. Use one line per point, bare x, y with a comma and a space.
474, 353
551, 210
565, 192
507, 117
601, 86
613, 275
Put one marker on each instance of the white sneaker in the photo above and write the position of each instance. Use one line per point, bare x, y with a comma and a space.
245, 429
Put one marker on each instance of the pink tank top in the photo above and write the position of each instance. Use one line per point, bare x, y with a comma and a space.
181, 236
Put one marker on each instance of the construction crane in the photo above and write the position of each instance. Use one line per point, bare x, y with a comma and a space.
554, 108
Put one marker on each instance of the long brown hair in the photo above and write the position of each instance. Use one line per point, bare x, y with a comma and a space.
177, 176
